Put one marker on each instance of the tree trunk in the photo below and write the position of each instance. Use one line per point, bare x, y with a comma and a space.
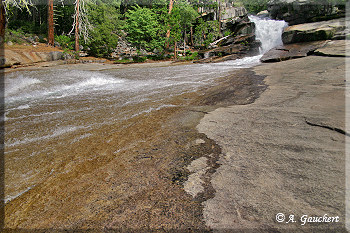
171, 3
2, 23
185, 43
175, 52
50, 23
192, 36
77, 28
219, 17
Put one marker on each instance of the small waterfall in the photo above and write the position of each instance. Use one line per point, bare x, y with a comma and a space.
269, 32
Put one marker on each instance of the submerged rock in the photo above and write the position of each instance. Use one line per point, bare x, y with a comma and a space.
326, 30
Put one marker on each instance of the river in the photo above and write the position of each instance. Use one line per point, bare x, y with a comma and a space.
48, 111
54, 117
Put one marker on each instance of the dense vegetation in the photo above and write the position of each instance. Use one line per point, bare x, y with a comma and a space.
156, 26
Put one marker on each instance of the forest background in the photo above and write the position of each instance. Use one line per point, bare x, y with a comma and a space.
95, 26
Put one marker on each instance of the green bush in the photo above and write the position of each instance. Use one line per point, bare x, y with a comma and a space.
139, 59
190, 57
156, 57
15, 36
206, 32
65, 42
144, 29
105, 23
255, 6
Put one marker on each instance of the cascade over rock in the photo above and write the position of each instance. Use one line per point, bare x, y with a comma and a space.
304, 11
311, 38
266, 35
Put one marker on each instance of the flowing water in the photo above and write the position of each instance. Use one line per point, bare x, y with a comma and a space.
268, 32
51, 111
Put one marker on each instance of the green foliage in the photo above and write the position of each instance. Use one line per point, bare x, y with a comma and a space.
158, 57
186, 12
144, 29
15, 36
139, 59
135, 59
209, 4
227, 33
63, 18
191, 57
206, 32
65, 42
105, 23
71, 53
255, 6
182, 17
32, 21
124, 61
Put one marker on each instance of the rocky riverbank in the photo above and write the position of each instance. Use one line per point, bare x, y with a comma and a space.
284, 153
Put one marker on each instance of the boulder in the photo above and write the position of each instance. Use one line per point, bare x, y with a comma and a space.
263, 14
291, 51
325, 30
304, 11
229, 12
240, 45
239, 25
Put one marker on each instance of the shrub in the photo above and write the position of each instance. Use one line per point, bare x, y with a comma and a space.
65, 42
139, 59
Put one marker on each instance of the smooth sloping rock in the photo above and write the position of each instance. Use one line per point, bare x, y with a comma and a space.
304, 11
326, 30
24, 57
290, 51
337, 48
280, 154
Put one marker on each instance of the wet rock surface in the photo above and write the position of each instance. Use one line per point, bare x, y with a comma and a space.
291, 51
140, 187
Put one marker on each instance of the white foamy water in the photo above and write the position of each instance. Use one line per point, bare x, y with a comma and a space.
269, 32
20, 84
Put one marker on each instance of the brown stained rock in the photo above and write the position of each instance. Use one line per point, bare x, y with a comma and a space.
28, 55
32, 56
290, 51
